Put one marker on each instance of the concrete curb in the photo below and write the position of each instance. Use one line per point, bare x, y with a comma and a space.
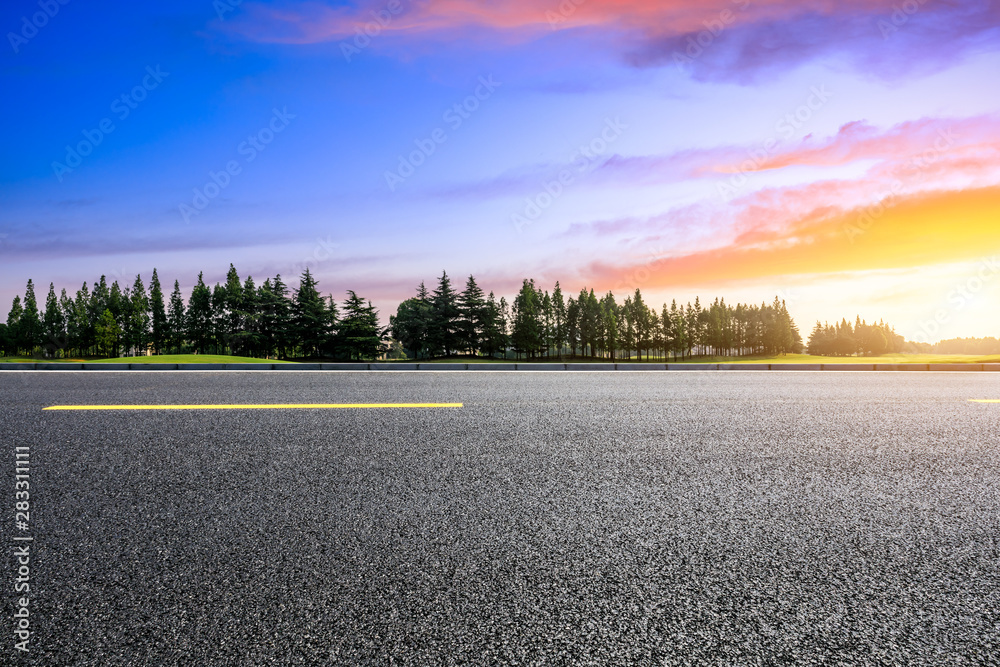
49, 366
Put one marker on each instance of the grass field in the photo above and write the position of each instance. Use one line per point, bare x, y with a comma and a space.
785, 359
161, 359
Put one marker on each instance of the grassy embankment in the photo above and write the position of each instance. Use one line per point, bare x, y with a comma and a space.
786, 359
161, 359
781, 359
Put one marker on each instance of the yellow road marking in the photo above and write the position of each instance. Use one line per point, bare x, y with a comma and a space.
984, 400
275, 406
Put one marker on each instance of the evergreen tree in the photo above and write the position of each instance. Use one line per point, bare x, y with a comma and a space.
30, 326
85, 324
55, 324
160, 334
14, 324
176, 320
526, 334
68, 308
199, 325
559, 336
280, 317
137, 322
359, 335
444, 337
310, 317
108, 333
471, 304
231, 311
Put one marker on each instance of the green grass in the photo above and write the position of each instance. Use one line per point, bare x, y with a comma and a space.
786, 359
160, 359
781, 359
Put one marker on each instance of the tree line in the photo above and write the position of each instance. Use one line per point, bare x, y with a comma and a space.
538, 323
843, 339
239, 318
274, 320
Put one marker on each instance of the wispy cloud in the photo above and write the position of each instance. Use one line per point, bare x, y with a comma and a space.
730, 39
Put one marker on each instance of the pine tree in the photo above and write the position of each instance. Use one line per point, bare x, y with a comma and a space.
68, 308
138, 318
108, 333
280, 317
14, 324
471, 304
176, 320
198, 318
231, 310
55, 324
160, 334
443, 335
526, 334
310, 317
30, 326
84, 323
359, 335
559, 324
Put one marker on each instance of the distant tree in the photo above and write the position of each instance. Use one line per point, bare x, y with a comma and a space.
277, 315
526, 334
108, 333
55, 324
559, 335
84, 324
14, 324
231, 310
443, 335
160, 334
471, 315
572, 325
310, 317
411, 324
359, 335
137, 320
30, 326
68, 307
198, 320
176, 320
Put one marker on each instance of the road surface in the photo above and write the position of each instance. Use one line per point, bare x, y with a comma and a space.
555, 518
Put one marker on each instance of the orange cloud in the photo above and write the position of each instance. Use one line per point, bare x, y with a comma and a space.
918, 231
312, 22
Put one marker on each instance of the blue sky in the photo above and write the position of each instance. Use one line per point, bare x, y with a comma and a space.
741, 172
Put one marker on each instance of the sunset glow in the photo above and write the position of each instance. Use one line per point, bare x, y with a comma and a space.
842, 155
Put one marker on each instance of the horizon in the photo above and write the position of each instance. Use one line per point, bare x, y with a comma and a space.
844, 159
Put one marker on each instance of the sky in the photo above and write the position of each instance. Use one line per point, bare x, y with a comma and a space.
844, 156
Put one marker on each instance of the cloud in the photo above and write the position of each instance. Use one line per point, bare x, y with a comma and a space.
925, 229
719, 39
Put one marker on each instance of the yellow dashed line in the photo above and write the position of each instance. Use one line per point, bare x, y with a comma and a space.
275, 406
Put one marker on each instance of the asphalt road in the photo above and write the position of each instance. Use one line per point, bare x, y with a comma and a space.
558, 518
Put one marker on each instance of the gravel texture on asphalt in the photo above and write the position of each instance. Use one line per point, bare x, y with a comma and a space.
558, 518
